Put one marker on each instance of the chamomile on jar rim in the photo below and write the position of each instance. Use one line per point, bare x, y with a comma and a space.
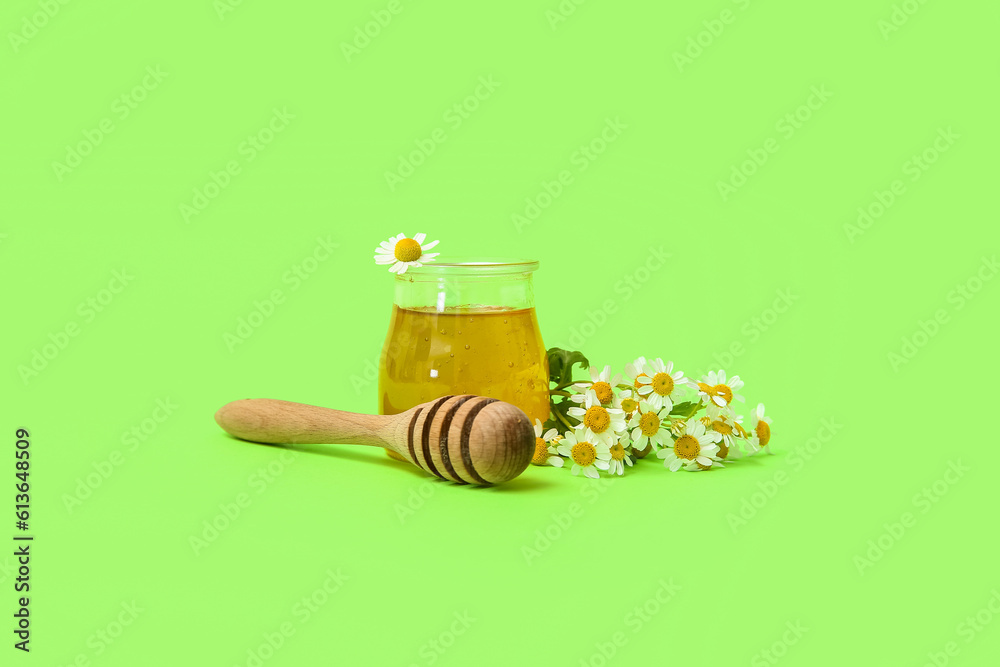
403, 252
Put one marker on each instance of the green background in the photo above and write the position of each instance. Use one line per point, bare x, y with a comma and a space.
856, 298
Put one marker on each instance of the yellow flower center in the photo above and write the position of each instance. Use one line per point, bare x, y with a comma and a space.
407, 250
583, 454
723, 449
603, 391
687, 447
722, 427
649, 424
638, 384
724, 391
597, 419
630, 405
541, 452
763, 432
618, 452
663, 384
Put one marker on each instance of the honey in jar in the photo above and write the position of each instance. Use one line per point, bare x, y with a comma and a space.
465, 328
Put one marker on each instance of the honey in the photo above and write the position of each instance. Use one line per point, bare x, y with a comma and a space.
484, 350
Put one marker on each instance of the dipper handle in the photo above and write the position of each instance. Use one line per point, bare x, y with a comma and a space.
465, 439
283, 422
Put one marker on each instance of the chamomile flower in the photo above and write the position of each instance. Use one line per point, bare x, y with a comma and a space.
601, 383
619, 459
760, 431
660, 385
719, 393
694, 445
650, 427
545, 447
600, 423
588, 457
404, 252
633, 371
728, 427
627, 402
694, 466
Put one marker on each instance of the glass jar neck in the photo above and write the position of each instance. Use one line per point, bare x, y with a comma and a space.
467, 287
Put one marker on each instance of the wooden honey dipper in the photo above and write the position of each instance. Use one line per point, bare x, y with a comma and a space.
466, 439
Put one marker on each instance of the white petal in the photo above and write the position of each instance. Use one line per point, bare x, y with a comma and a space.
674, 465
385, 245
384, 259
419, 238
428, 246
591, 472
383, 251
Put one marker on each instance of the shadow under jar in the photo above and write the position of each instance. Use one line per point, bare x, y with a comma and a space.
465, 327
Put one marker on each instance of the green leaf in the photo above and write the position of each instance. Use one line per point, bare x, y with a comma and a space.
560, 419
685, 410
561, 364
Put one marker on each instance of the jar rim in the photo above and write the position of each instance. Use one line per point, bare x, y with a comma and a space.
472, 266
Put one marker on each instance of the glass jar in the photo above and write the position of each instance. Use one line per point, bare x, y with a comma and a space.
465, 327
